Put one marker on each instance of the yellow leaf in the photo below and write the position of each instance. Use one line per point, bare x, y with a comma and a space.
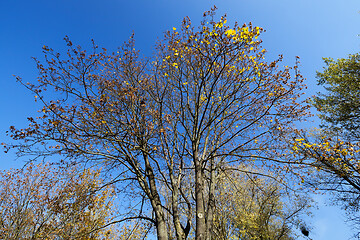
230, 32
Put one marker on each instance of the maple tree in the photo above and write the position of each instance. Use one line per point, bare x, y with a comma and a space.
206, 97
44, 202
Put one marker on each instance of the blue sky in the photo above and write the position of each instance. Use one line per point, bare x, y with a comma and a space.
311, 29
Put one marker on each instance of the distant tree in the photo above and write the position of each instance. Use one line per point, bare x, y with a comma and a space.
43, 202
133, 231
256, 208
206, 97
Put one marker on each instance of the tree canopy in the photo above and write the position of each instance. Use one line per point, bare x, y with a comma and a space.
339, 106
205, 100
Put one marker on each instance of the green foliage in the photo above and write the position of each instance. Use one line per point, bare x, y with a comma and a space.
340, 105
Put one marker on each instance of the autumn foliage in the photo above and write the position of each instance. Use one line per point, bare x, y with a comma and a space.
205, 100
253, 207
44, 202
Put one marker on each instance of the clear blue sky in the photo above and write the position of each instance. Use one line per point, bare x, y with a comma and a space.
311, 29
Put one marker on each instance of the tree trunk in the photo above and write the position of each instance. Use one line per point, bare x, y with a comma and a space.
211, 201
161, 230
180, 234
200, 231
154, 197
